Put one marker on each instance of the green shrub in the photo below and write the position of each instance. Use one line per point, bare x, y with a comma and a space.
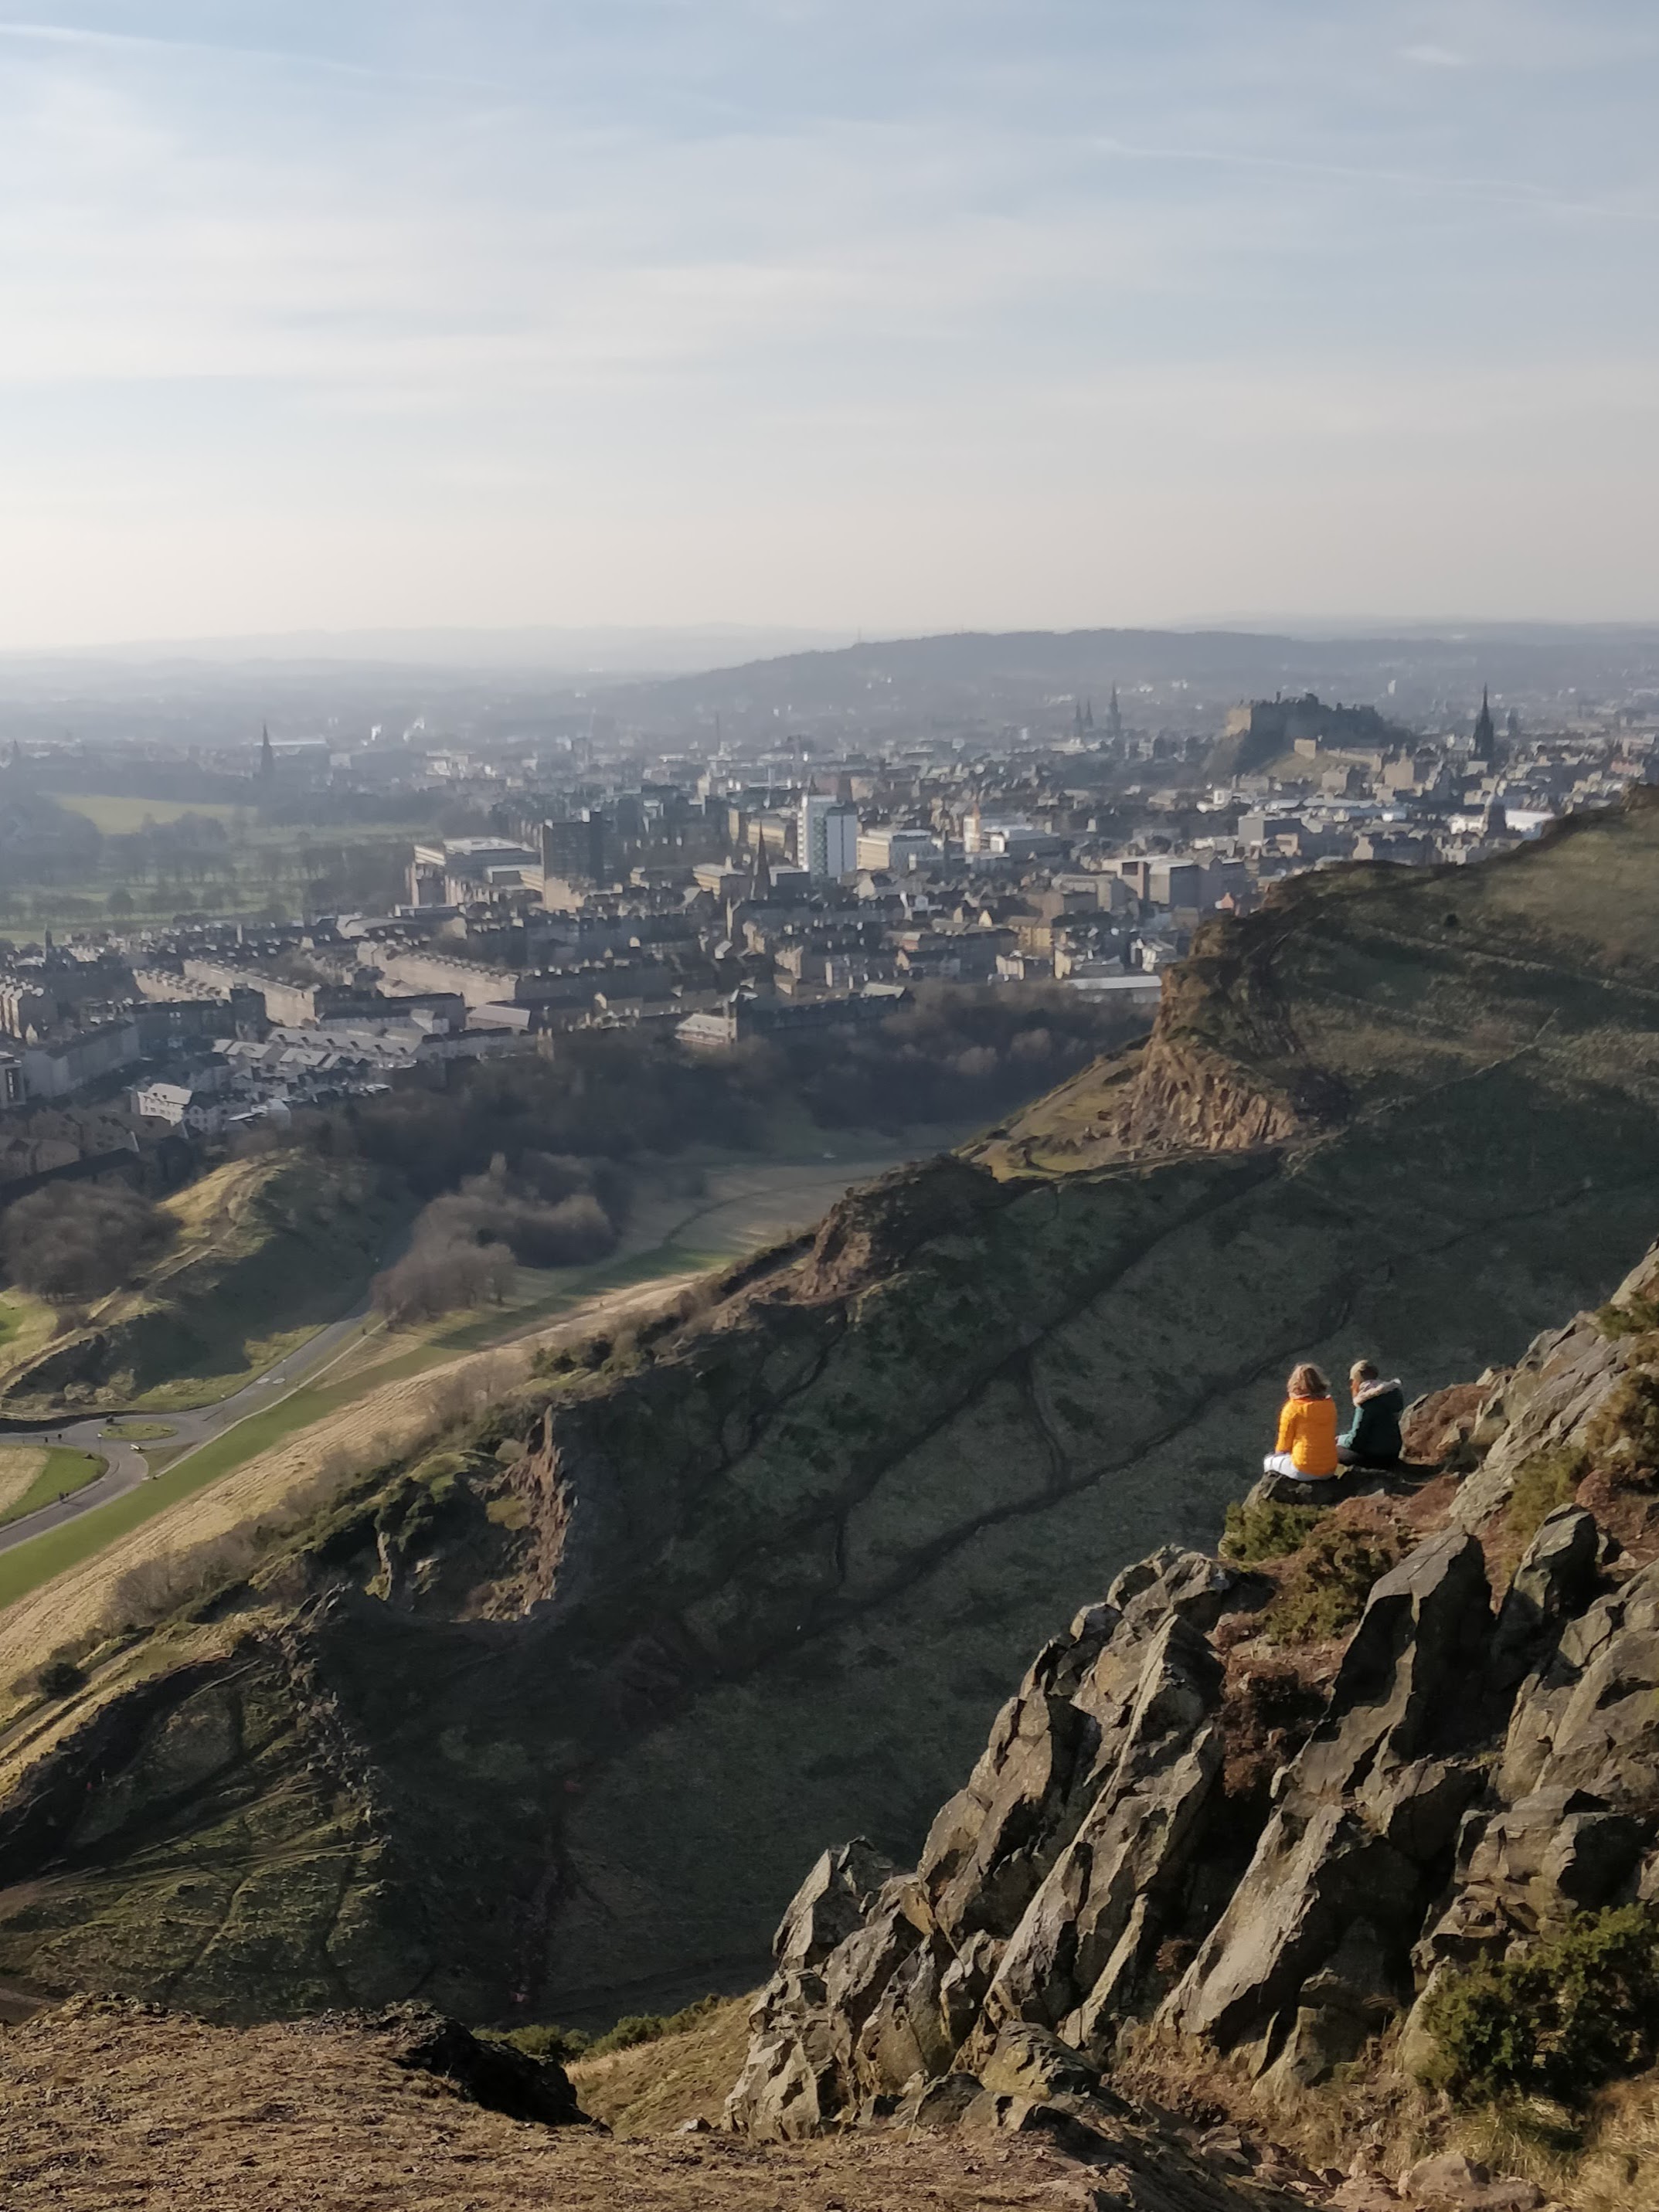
1636, 1317
638, 2028
1545, 1480
1324, 1592
1267, 1531
1572, 2011
546, 2041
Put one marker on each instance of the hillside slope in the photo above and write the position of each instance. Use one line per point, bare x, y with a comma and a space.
547, 1726
266, 1249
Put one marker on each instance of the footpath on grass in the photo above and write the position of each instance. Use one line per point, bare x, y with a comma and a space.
36, 1558
746, 1206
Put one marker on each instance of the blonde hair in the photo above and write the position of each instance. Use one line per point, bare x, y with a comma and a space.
1307, 1382
1362, 1371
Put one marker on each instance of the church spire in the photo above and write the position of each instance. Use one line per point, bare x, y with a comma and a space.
1481, 745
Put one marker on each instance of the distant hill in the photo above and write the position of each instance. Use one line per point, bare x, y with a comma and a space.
547, 1724
1007, 677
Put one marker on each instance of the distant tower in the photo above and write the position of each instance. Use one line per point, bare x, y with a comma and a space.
1512, 727
1483, 742
267, 758
1114, 716
1088, 715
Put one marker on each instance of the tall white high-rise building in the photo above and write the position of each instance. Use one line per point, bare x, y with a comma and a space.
829, 843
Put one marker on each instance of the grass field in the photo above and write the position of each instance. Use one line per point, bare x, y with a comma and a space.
42, 1476
120, 818
19, 1464
258, 868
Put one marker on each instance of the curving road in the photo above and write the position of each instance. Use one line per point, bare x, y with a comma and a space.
747, 1203
127, 1466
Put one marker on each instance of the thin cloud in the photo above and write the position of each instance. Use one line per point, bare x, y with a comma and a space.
76, 37
1499, 191
1434, 57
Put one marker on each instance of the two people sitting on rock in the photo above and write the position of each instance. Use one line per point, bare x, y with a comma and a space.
1309, 1448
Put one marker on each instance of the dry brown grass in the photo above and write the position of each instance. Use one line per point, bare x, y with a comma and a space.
656, 2086
1619, 2169
19, 1464
108, 2112
1604, 2159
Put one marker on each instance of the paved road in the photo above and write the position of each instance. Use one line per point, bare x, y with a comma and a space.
127, 1465
746, 1203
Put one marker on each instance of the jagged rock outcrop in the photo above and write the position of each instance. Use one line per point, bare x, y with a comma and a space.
1478, 1774
1307, 1959
1041, 1891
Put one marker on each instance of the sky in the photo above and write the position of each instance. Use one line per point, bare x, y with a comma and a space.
919, 315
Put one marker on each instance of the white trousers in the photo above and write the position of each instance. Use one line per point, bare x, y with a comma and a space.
1282, 1464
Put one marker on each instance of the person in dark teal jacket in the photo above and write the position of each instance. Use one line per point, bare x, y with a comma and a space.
1373, 1438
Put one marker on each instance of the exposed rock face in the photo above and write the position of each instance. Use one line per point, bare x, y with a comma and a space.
1475, 1776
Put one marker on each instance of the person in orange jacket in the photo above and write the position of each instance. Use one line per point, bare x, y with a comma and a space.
1306, 1450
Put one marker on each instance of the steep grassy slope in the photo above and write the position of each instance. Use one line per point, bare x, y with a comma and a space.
551, 1725
267, 1249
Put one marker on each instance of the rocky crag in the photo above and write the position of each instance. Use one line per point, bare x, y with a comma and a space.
1135, 1874
541, 1725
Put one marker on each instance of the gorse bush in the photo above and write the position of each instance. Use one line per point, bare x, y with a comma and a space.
1329, 1579
1264, 1530
1571, 2013
1545, 1480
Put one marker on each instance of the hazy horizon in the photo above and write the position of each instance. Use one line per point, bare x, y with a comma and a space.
646, 648
924, 318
